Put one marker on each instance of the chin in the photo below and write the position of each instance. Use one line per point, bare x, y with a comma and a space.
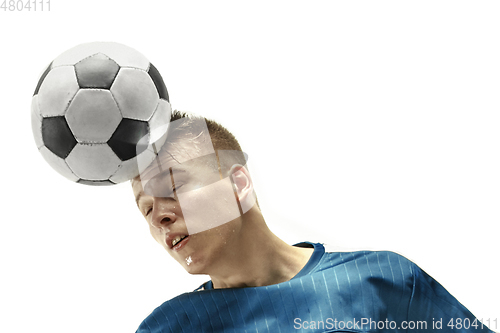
194, 266
194, 269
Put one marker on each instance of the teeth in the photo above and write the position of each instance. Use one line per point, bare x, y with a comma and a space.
176, 240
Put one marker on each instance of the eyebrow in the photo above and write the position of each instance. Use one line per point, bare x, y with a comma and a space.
141, 193
177, 169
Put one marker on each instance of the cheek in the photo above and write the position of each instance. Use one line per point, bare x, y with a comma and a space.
155, 233
209, 207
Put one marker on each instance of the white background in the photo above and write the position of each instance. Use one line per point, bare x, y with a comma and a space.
368, 124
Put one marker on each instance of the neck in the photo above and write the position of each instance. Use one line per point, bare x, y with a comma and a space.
257, 257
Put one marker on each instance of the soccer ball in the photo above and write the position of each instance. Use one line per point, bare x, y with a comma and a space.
99, 111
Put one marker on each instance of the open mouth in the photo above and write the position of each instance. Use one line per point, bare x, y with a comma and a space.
178, 242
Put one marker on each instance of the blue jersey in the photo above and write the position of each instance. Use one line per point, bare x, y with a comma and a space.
363, 291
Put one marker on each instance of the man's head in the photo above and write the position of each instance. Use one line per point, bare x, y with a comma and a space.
197, 188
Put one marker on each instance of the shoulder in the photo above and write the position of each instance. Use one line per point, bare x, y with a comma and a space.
339, 255
371, 265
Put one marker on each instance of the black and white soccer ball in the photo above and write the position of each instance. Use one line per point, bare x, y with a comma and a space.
100, 111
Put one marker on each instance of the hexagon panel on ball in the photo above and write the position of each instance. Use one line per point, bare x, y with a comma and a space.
57, 91
93, 162
93, 115
135, 94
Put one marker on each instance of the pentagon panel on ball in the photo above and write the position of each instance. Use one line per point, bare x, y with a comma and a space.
100, 113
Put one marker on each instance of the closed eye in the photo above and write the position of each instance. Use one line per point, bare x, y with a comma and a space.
174, 190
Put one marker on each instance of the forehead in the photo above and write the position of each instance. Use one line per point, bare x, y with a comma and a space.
187, 139
160, 178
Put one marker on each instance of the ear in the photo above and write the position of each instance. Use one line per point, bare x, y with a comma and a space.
243, 186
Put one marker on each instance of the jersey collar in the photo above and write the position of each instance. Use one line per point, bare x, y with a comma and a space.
316, 256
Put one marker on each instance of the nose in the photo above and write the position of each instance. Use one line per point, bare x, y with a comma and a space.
163, 214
